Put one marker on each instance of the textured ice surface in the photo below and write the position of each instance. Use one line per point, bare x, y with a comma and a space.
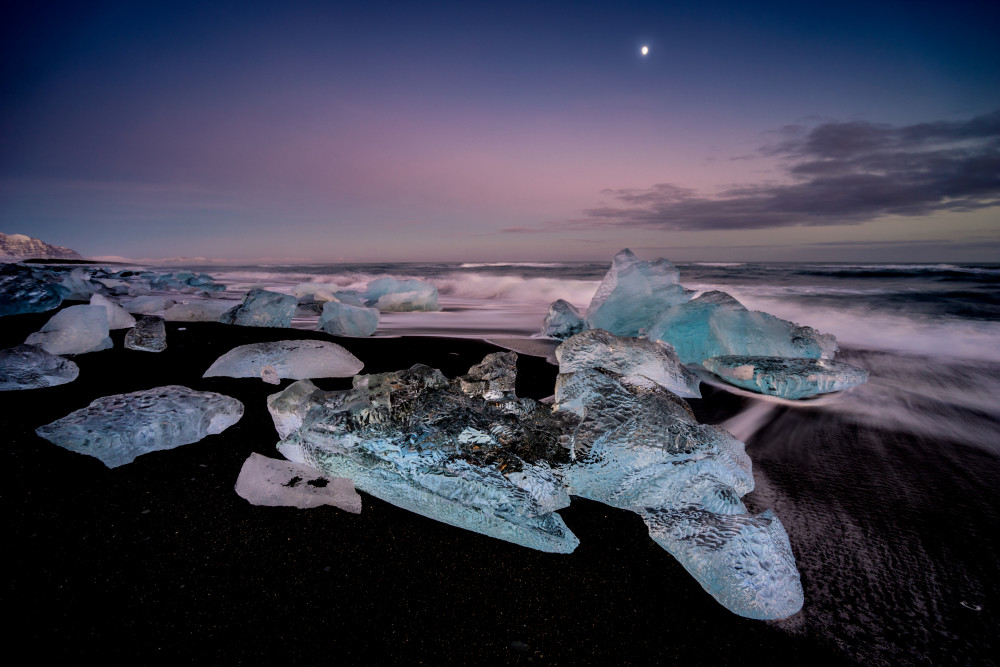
261, 308
22, 292
118, 428
641, 450
342, 319
716, 324
148, 335
197, 311
493, 378
633, 294
74, 330
414, 439
296, 359
31, 367
638, 361
784, 377
147, 305
118, 317
391, 295
562, 320
275, 483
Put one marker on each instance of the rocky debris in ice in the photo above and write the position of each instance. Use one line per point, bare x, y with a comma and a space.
197, 311
31, 367
492, 379
637, 362
148, 305
785, 377
148, 335
262, 308
118, 317
716, 324
295, 359
562, 320
116, 429
342, 319
74, 330
21, 291
392, 295
633, 294
273, 483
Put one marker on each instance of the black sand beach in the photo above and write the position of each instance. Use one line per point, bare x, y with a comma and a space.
159, 561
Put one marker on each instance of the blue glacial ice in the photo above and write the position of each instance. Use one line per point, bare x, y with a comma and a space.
633, 294
295, 359
562, 320
392, 295
148, 335
274, 483
343, 319
716, 324
31, 367
116, 429
118, 317
74, 330
785, 377
25, 291
262, 308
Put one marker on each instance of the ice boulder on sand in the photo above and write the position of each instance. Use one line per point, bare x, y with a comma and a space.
31, 367
74, 330
148, 335
637, 362
562, 320
22, 292
261, 308
392, 295
342, 319
275, 483
118, 317
296, 359
116, 429
784, 377
197, 311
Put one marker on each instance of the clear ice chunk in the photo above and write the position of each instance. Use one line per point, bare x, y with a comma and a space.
197, 311
74, 330
785, 377
262, 308
148, 305
77, 286
562, 320
633, 294
296, 359
392, 295
22, 292
715, 324
148, 335
342, 319
289, 406
31, 367
116, 429
273, 483
118, 317
637, 362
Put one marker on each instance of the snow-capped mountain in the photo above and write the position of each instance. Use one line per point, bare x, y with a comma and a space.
19, 246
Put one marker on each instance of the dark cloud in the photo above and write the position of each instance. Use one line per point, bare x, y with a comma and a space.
841, 173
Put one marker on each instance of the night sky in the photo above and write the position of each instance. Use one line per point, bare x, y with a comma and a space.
371, 131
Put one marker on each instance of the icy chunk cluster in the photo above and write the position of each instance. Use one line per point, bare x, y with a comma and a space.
22, 292
784, 377
261, 308
492, 379
118, 317
74, 330
342, 319
116, 429
637, 362
562, 320
296, 359
273, 483
148, 335
392, 295
31, 367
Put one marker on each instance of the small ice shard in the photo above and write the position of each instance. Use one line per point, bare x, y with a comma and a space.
342, 319
262, 308
269, 374
785, 377
197, 311
148, 305
273, 483
22, 292
74, 330
493, 378
118, 317
148, 335
289, 406
296, 359
637, 361
562, 320
716, 324
392, 295
31, 367
633, 294
116, 429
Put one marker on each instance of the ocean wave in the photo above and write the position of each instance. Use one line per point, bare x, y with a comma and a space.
537, 265
542, 291
712, 264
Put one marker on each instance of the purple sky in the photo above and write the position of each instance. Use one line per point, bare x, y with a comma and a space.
488, 131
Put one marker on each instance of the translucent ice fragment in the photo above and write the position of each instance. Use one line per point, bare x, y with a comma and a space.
392, 295
74, 330
118, 317
274, 483
116, 429
289, 406
148, 305
261, 308
296, 359
77, 286
341, 319
638, 361
197, 311
562, 320
148, 335
31, 367
784, 377
22, 292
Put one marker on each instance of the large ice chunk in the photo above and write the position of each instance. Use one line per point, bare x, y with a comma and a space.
274, 483
633, 294
22, 292
148, 335
207, 310
118, 317
716, 324
392, 295
262, 308
637, 361
562, 320
118, 428
784, 377
296, 359
31, 367
342, 319
74, 330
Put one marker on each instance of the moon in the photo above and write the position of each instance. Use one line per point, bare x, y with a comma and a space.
645, 50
